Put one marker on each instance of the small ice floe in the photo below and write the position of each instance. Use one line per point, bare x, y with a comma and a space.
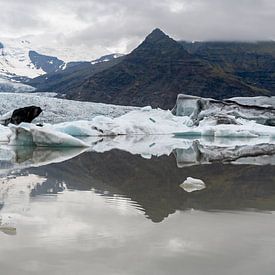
8, 230
191, 185
6, 225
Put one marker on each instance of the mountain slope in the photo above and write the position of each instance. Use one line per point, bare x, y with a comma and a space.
155, 72
253, 62
73, 74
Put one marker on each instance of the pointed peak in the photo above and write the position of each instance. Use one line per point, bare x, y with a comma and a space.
157, 42
158, 31
157, 34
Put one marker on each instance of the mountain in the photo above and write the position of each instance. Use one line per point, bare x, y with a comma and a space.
73, 74
160, 68
48, 64
156, 72
21, 61
253, 62
18, 63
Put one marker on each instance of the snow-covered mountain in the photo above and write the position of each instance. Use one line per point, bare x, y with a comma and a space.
21, 60
15, 60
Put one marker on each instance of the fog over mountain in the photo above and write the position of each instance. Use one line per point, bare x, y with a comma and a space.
92, 28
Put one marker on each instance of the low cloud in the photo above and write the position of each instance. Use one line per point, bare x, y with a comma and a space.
105, 26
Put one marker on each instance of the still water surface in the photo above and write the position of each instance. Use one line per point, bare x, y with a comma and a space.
119, 213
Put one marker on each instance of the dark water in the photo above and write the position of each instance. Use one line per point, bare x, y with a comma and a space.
119, 213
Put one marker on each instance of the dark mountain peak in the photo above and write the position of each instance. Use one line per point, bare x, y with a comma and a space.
156, 36
157, 43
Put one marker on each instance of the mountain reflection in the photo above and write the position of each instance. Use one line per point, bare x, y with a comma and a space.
153, 184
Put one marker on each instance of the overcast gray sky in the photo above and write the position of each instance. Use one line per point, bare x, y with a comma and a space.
118, 26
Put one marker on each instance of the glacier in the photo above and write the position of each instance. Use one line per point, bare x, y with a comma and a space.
131, 121
59, 110
201, 131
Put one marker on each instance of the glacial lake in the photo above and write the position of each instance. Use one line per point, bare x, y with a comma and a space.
119, 213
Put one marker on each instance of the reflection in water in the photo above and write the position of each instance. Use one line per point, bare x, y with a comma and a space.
12, 157
85, 214
154, 184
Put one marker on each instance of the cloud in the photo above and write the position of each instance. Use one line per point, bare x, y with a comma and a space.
105, 25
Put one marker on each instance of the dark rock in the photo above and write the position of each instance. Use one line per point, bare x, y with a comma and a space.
26, 114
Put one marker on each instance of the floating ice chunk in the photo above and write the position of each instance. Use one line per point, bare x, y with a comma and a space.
5, 134
187, 105
6, 225
192, 184
29, 134
199, 108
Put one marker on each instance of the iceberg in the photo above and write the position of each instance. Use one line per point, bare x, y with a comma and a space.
6, 225
31, 135
192, 184
199, 108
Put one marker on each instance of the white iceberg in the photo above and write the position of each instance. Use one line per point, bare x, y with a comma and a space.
31, 135
192, 184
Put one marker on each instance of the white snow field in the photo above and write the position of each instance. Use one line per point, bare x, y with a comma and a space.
15, 60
